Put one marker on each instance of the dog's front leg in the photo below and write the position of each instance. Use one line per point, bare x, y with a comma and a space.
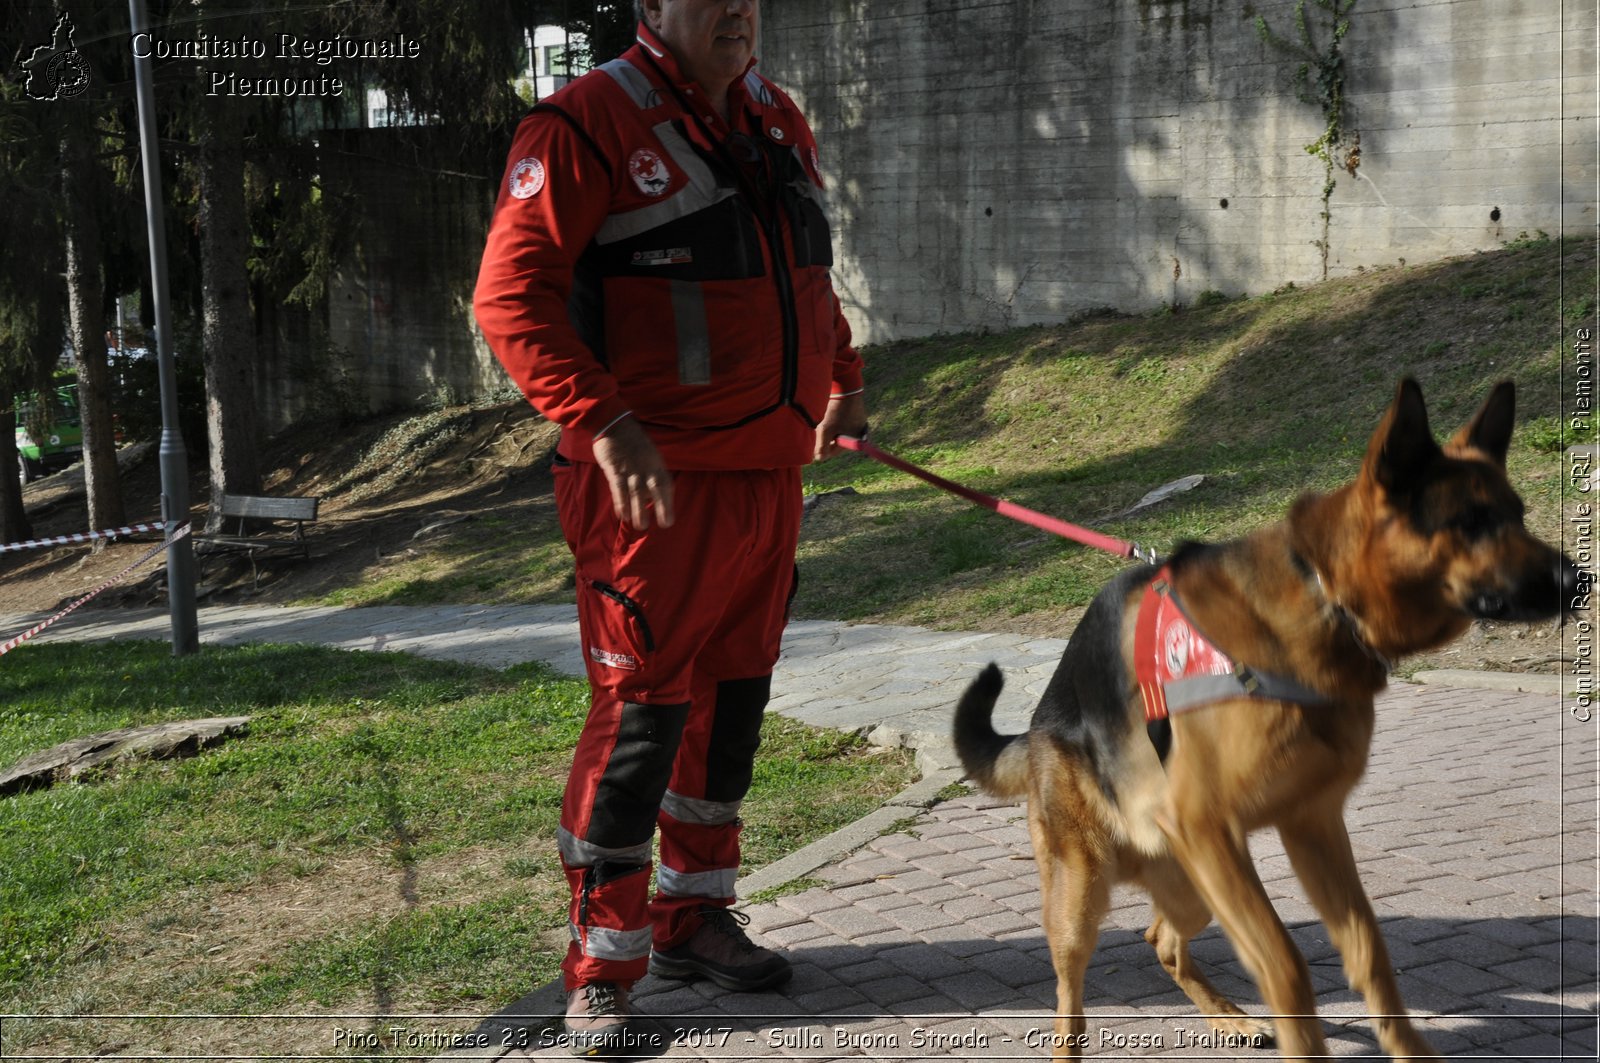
1180, 914
1319, 849
1218, 861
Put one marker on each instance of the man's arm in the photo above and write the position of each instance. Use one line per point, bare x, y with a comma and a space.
847, 405
552, 200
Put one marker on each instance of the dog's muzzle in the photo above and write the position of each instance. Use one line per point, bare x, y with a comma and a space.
1558, 591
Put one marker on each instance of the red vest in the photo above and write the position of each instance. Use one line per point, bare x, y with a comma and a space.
646, 258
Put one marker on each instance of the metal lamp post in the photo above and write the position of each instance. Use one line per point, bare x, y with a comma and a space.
174, 458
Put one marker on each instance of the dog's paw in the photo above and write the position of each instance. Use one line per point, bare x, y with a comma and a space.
1243, 1031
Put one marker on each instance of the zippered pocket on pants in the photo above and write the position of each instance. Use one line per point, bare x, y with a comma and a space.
647, 638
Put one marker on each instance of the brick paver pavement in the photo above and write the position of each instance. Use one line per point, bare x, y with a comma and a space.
1475, 831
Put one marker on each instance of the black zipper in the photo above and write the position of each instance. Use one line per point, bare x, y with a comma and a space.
791, 326
633, 610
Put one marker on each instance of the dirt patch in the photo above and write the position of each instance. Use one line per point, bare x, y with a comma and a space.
237, 932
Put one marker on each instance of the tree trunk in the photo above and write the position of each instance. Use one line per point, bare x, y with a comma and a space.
86, 305
228, 329
14, 523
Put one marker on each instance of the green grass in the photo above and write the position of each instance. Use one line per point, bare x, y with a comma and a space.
415, 800
1267, 397
787, 889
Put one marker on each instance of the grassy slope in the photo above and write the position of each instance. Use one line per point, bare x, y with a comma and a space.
1267, 397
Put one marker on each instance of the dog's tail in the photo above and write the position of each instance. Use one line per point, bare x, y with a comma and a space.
996, 762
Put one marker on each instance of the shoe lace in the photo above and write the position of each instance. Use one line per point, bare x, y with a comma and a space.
602, 998
730, 924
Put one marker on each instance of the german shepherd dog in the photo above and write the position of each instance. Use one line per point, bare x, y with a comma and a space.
1311, 610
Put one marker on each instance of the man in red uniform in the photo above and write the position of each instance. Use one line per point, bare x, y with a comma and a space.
656, 281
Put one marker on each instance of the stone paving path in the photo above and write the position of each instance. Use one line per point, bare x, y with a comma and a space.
918, 935
1475, 835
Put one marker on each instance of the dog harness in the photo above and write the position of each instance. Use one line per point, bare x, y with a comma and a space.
1179, 669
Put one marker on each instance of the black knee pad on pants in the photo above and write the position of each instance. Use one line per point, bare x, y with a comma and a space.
636, 775
735, 736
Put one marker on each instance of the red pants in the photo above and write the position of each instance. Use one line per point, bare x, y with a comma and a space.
681, 629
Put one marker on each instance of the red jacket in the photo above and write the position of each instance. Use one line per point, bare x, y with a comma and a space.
646, 259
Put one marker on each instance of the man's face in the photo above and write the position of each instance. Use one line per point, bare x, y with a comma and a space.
711, 39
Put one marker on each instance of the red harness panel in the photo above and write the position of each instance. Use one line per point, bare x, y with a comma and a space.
1178, 668
1167, 648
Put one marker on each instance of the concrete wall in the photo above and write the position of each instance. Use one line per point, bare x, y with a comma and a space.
1005, 162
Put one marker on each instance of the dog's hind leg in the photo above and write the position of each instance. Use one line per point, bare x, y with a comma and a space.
1218, 863
1319, 849
1180, 914
1076, 894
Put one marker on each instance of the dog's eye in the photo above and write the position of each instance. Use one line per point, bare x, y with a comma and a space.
1476, 522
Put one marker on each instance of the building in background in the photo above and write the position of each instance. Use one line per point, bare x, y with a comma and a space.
1066, 157
551, 57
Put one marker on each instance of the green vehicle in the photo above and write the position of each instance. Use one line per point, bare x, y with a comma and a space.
58, 442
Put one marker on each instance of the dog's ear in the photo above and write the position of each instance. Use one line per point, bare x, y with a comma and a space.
1490, 428
1403, 446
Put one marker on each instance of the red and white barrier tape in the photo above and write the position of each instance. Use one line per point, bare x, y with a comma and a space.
183, 530
81, 537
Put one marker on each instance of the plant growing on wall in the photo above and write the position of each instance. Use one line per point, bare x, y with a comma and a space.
1320, 81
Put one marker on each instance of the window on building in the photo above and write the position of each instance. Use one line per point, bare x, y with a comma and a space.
556, 61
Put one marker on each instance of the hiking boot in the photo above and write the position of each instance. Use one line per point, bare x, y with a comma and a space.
720, 951
596, 1022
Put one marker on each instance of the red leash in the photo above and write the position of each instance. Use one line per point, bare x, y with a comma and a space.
1028, 516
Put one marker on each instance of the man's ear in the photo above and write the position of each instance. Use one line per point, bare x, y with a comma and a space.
1490, 428
1402, 446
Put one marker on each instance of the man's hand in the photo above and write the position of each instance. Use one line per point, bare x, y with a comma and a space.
846, 416
639, 479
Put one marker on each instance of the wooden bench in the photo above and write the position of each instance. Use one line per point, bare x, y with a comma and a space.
275, 539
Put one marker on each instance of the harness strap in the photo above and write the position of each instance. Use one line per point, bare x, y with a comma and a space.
1168, 648
1185, 694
